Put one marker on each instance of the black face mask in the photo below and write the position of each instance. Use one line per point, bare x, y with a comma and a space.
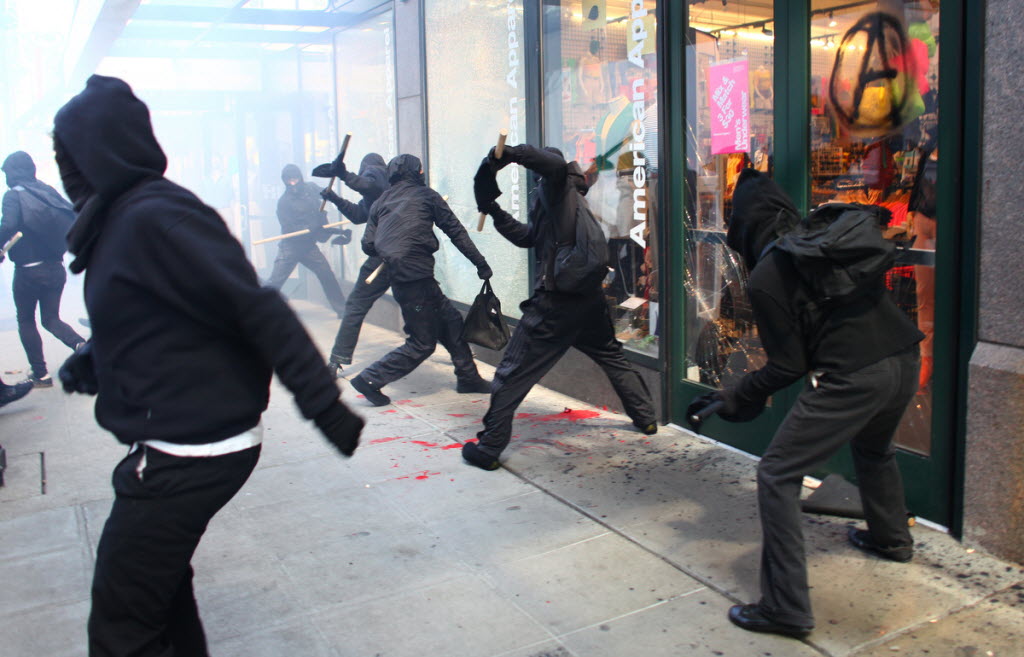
76, 186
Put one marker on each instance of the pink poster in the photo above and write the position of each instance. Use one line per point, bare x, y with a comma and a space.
729, 100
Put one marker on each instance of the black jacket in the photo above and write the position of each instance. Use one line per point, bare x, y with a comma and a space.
21, 178
370, 182
550, 204
401, 225
798, 335
299, 209
184, 338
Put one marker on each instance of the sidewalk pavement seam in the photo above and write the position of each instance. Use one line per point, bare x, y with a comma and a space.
707, 583
562, 547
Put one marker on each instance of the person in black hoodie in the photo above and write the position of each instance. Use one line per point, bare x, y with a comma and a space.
299, 209
400, 231
552, 321
370, 182
184, 343
861, 361
39, 274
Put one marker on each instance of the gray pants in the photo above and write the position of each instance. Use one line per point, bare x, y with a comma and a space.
862, 408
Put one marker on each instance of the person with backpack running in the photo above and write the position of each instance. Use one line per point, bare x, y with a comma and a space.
370, 182
43, 217
567, 308
822, 312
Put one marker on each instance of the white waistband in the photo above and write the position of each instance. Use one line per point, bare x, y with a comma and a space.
245, 440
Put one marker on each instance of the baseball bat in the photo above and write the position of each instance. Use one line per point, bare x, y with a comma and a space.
498, 150
344, 149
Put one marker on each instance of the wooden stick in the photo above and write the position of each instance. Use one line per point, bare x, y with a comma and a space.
498, 150
304, 231
344, 149
373, 276
14, 240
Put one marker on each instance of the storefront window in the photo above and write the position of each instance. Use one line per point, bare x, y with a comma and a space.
874, 115
365, 91
476, 87
601, 109
730, 115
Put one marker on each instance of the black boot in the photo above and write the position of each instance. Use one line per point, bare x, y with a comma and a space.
752, 619
13, 393
370, 391
478, 385
473, 456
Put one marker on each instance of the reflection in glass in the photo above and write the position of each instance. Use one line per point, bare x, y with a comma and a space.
874, 117
464, 121
365, 87
601, 109
730, 114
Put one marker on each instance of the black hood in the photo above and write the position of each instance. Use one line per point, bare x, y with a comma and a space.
371, 160
405, 167
20, 168
291, 172
107, 132
761, 213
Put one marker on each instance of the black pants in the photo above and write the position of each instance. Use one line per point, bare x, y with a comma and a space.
551, 323
307, 253
862, 408
429, 318
362, 298
42, 285
142, 600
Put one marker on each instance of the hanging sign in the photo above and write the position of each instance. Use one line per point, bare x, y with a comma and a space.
729, 101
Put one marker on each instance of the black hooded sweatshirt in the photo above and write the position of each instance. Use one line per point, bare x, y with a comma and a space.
21, 178
370, 182
184, 338
299, 208
550, 206
401, 225
798, 335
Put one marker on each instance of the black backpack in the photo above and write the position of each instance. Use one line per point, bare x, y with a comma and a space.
580, 260
841, 257
46, 217
839, 251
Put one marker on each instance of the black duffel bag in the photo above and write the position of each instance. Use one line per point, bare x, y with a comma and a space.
485, 325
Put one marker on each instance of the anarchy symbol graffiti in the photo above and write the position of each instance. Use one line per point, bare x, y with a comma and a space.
868, 89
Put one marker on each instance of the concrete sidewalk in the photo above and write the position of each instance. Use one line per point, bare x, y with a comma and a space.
593, 541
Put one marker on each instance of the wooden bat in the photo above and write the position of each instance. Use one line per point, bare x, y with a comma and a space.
373, 276
304, 231
14, 240
498, 150
344, 149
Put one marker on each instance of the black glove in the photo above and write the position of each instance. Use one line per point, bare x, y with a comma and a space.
484, 272
499, 163
338, 168
491, 208
700, 403
344, 237
341, 427
328, 193
78, 373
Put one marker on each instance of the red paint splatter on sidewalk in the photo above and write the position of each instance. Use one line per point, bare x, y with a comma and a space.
422, 474
423, 443
458, 414
360, 396
567, 414
385, 440
390, 410
523, 416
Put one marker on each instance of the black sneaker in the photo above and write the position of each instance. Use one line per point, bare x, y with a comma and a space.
479, 385
861, 539
44, 381
368, 390
751, 618
649, 428
13, 393
474, 456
